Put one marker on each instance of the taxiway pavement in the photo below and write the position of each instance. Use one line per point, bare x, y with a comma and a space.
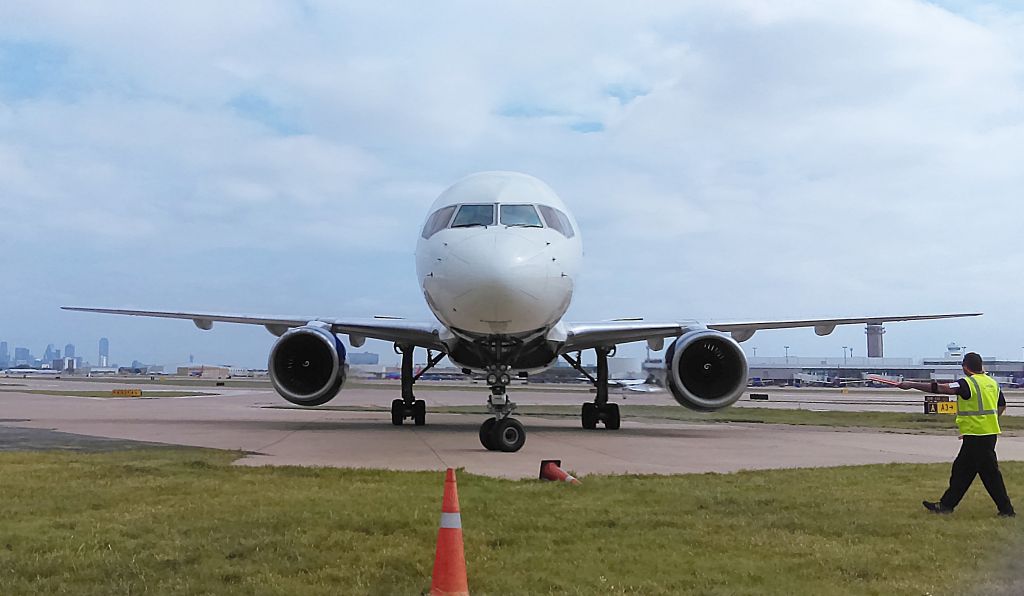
258, 422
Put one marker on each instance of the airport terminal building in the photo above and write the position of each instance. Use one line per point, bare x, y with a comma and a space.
811, 370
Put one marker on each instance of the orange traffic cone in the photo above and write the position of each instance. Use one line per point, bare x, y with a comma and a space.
450, 561
550, 470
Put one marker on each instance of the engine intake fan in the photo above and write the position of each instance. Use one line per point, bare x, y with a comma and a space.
707, 371
307, 365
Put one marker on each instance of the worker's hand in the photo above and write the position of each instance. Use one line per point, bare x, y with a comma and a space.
960, 438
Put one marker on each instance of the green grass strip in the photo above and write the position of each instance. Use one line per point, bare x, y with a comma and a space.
186, 522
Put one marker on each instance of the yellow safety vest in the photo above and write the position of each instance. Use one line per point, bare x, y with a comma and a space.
979, 414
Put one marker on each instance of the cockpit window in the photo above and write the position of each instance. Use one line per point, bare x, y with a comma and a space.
557, 220
474, 215
438, 221
520, 215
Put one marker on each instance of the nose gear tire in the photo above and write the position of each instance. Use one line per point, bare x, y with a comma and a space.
486, 432
508, 435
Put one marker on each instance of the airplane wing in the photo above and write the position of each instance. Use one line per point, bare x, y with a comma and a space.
582, 336
421, 334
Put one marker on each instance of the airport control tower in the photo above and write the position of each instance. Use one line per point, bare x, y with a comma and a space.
874, 332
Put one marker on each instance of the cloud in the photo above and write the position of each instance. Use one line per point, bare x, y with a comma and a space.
731, 159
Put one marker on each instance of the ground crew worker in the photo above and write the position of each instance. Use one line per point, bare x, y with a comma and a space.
979, 404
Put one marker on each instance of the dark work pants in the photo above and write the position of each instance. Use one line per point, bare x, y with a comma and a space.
977, 457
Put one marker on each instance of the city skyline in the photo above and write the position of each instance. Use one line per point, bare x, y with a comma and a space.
382, 354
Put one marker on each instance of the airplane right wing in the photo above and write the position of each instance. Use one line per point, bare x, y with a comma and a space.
416, 333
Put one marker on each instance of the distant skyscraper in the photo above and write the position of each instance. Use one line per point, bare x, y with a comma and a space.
5, 357
69, 351
22, 356
104, 352
49, 354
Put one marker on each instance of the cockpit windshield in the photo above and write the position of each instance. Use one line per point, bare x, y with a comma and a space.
438, 221
474, 215
557, 221
520, 215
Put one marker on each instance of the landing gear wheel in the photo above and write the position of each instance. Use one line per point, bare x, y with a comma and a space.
611, 416
397, 412
487, 433
508, 435
419, 412
589, 415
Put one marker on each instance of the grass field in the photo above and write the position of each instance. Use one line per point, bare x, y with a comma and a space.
107, 393
185, 522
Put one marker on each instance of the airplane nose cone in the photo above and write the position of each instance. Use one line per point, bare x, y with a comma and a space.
497, 282
499, 258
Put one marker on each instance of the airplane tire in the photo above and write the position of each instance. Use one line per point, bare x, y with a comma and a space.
589, 415
508, 435
397, 413
419, 412
487, 432
612, 421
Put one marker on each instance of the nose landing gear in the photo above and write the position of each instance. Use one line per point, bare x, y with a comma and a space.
502, 432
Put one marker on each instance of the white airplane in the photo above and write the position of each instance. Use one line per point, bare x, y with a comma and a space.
30, 372
497, 262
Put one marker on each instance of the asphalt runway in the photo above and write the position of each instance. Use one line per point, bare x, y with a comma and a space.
263, 426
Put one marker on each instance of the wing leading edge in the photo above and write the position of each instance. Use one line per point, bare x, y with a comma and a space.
582, 336
421, 334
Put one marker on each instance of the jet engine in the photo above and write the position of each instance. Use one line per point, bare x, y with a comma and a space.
307, 365
707, 371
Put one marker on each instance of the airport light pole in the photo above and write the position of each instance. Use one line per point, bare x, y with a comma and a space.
787, 354
844, 355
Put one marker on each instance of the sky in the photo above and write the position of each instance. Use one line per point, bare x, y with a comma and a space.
725, 159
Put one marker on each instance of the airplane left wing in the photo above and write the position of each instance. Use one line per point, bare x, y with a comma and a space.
421, 334
583, 336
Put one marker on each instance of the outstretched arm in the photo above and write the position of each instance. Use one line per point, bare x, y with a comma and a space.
929, 386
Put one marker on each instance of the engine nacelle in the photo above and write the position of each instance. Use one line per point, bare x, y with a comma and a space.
707, 371
307, 365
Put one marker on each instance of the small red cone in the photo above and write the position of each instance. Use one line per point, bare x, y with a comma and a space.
550, 470
450, 560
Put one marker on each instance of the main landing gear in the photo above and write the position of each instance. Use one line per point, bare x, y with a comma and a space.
408, 406
599, 410
502, 432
